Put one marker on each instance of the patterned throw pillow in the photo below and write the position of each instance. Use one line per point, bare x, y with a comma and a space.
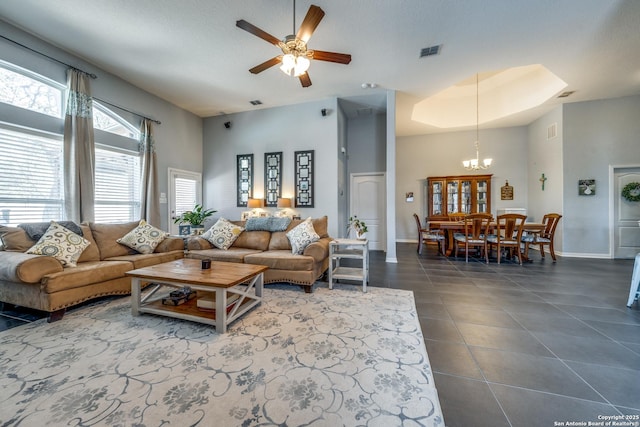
144, 238
60, 243
222, 234
302, 236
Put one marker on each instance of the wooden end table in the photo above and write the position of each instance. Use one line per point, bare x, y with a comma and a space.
223, 279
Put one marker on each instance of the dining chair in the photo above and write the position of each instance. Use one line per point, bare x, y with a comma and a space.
508, 235
476, 227
544, 237
426, 236
457, 216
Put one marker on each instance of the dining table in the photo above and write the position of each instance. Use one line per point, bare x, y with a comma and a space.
451, 227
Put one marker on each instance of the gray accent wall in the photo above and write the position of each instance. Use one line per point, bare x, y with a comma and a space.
287, 129
178, 139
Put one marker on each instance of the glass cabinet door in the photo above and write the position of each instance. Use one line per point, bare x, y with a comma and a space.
481, 195
452, 197
465, 195
436, 198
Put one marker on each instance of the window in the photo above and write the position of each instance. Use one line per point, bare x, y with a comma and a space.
31, 91
117, 182
108, 121
30, 177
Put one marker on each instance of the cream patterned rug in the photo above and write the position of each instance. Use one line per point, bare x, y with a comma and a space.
331, 358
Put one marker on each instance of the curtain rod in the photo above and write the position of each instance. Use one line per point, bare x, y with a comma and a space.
93, 76
128, 111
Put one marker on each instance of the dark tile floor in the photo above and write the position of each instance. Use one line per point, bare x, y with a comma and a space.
512, 345
527, 345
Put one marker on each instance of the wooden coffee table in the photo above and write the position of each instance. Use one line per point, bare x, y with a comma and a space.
223, 279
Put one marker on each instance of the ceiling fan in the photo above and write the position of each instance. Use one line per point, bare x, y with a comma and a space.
295, 54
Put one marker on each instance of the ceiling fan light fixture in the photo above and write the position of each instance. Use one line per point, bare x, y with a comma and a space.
294, 66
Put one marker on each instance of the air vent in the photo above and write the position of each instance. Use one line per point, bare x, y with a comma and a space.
552, 131
256, 102
567, 93
430, 51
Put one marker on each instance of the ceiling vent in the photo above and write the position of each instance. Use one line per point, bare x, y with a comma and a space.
430, 51
256, 102
552, 131
567, 93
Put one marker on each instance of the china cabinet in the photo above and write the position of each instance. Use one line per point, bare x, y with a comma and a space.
458, 194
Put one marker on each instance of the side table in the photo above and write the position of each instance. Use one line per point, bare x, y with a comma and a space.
349, 249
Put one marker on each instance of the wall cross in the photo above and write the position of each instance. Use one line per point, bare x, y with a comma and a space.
542, 180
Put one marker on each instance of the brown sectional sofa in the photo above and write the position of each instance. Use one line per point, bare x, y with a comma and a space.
273, 250
41, 282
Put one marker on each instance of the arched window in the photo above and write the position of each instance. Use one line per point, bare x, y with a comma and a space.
108, 121
25, 89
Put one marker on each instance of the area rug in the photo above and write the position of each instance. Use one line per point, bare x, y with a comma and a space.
331, 358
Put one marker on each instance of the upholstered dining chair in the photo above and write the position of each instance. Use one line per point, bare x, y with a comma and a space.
458, 216
508, 235
426, 236
545, 237
476, 227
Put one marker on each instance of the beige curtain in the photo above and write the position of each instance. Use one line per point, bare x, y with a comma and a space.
79, 149
149, 203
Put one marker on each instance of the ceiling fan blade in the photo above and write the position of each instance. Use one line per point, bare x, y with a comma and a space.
305, 80
266, 64
340, 58
257, 32
311, 21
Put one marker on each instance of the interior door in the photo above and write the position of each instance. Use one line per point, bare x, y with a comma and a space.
368, 195
185, 191
627, 215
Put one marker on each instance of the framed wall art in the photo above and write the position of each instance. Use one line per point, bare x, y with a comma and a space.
304, 170
272, 178
586, 187
245, 178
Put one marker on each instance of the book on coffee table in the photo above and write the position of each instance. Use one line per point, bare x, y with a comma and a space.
207, 301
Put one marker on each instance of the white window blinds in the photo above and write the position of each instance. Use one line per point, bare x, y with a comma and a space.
186, 191
117, 183
30, 177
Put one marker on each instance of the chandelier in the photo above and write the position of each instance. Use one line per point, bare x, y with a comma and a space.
474, 164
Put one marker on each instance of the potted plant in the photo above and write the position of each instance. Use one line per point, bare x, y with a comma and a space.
195, 218
358, 226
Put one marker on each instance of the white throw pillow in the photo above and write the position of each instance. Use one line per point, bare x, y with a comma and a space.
222, 234
60, 243
144, 238
302, 236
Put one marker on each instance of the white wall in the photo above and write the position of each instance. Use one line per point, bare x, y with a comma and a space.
287, 129
421, 156
596, 134
178, 139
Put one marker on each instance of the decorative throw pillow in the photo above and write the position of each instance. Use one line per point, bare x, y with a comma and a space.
267, 224
144, 238
60, 243
222, 234
302, 236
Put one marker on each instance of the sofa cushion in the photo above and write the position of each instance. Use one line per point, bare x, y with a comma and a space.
223, 233
279, 240
281, 260
144, 238
231, 255
106, 235
85, 274
268, 223
60, 243
146, 260
15, 239
91, 253
301, 236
